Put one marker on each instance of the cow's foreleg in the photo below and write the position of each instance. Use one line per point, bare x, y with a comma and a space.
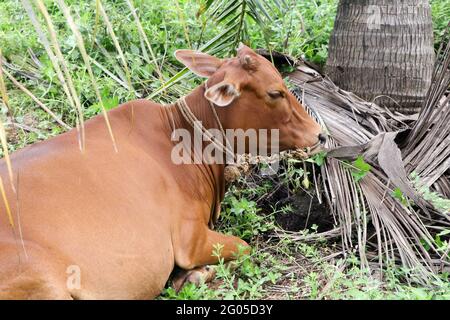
198, 257
199, 248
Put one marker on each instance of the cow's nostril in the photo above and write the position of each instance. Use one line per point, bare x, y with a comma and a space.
322, 138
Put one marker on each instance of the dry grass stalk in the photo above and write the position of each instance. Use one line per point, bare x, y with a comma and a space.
56, 59
3, 140
111, 32
38, 102
81, 47
145, 39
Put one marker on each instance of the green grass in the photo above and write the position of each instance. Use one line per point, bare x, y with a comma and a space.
303, 30
277, 268
441, 13
284, 267
307, 29
288, 269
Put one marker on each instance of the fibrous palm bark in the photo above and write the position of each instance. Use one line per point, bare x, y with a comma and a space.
383, 50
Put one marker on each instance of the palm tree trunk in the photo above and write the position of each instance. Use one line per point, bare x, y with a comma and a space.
382, 50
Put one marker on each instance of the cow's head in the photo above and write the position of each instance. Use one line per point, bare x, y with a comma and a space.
251, 94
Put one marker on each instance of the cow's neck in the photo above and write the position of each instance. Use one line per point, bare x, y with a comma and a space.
211, 174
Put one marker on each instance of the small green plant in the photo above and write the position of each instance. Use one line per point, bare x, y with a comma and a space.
240, 217
359, 168
443, 245
362, 168
189, 292
437, 200
398, 194
294, 176
108, 102
318, 158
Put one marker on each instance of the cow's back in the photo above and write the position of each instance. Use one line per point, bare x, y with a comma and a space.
99, 212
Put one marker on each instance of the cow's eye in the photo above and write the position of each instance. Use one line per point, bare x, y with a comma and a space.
275, 94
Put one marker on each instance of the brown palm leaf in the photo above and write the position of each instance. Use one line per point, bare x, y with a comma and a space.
370, 213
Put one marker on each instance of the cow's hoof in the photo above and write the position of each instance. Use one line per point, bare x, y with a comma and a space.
196, 276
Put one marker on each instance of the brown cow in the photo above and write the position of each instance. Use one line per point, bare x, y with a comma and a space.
101, 224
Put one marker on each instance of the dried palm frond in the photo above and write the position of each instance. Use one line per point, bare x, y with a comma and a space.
427, 147
384, 206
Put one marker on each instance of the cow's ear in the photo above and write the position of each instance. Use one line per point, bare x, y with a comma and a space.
222, 94
200, 63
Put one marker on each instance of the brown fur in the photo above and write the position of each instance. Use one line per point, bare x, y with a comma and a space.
127, 218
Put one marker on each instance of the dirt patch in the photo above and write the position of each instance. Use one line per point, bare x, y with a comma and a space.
307, 211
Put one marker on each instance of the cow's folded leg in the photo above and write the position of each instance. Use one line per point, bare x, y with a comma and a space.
209, 244
199, 275
196, 276
198, 257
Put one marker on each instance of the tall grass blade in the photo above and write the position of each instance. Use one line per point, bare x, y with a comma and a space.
97, 21
3, 92
59, 55
183, 23
4, 143
145, 39
81, 47
4, 95
111, 32
6, 203
38, 102
56, 58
